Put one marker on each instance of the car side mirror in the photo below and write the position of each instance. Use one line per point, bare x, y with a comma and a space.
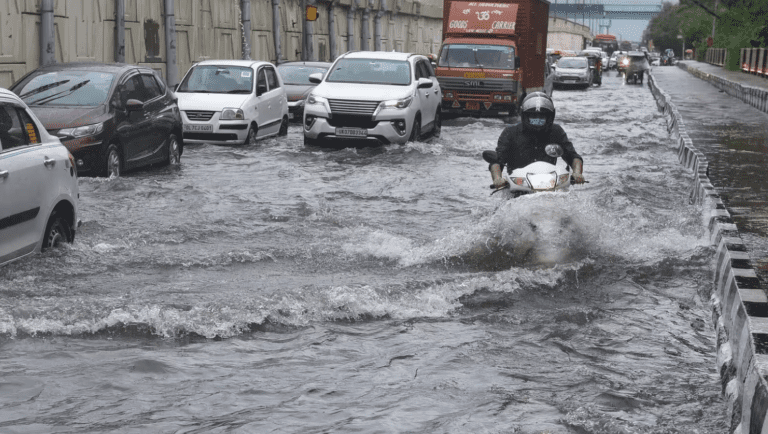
517, 62
134, 105
316, 78
424, 83
261, 89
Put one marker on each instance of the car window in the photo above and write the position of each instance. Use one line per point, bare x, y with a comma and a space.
218, 79
422, 70
16, 128
430, 71
261, 82
132, 89
151, 89
274, 83
160, 82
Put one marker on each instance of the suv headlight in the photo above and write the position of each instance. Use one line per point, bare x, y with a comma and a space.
318, 100
84, 131
229, 114
396, 103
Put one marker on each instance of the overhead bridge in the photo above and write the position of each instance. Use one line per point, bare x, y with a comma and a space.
612, 11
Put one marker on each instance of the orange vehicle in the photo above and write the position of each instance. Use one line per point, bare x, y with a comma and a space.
492, 55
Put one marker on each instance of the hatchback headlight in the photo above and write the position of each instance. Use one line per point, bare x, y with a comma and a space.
229, 114
84, 131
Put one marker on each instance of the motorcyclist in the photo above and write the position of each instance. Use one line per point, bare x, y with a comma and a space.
523, 143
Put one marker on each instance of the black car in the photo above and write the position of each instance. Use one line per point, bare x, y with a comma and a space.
111, 117
295, 77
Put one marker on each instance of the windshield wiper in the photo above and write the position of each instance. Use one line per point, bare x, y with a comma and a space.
42, 88
58, 95
239, 91
474, 53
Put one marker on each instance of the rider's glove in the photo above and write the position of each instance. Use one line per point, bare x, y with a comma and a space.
578, 178
498, 180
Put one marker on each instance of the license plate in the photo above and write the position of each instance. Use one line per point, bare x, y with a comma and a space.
198, 128
473, 105
351, 132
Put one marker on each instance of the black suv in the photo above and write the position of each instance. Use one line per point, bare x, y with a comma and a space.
111, 117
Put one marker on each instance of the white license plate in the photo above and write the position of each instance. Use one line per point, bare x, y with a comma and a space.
192, 128
351, 132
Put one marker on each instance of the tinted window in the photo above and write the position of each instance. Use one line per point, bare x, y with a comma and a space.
132, 89
67, 88
151, 89
160, 82
262, 81
16, 128
298, 74
218, 79
371, 71
272, 78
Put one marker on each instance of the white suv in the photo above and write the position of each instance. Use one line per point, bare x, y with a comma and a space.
232, 102
389, 97
38, 184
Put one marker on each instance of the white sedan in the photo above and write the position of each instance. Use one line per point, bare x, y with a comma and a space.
38, 184
232, 102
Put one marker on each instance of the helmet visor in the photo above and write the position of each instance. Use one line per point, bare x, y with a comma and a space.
537, 121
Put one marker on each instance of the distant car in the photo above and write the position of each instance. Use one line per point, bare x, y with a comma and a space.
111, 117
38, 184
573, 71
232, 102
295, 77
385, 96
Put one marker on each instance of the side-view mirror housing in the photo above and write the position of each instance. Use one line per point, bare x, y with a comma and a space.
133, 105
424, 83
491, 157
554, 150
316, 78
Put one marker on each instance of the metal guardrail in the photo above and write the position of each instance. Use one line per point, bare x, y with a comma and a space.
754, 61
716, 56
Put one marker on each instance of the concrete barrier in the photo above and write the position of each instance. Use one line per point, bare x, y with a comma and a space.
754, 96
739, 305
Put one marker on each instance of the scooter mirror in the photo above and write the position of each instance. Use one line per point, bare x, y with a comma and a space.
554, 150
491, 157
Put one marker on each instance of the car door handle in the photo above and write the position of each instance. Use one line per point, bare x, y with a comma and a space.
435, 91
426, 94
3, 174
49, 162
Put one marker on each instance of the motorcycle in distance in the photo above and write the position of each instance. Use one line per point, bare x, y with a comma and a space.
536, 177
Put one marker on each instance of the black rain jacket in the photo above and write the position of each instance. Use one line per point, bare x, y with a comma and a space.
519, 147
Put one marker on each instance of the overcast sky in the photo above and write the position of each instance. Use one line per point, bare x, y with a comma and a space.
629, 30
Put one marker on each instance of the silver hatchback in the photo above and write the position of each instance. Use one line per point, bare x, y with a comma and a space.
374, 95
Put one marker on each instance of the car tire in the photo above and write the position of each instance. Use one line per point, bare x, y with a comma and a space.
113, 164
56, 231
438, 125
174, 151
311, 142
283, 127
415, 129
250, 139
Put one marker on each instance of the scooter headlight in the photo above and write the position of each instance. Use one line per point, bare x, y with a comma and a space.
564, 178
522, 182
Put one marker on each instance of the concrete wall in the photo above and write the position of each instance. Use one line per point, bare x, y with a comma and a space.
739, 304
84, 30
567, 35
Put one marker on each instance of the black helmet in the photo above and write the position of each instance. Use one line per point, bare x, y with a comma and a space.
537, 112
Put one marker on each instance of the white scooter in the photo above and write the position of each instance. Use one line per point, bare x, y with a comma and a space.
535, 177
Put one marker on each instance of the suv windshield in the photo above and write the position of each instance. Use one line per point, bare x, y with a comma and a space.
218, 79
298, 74
572, 62
477, 56
371, 71
68, 88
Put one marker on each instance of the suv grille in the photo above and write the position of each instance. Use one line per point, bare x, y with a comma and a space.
351, 107
198, 115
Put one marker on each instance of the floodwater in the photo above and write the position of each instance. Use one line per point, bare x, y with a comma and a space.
280, 288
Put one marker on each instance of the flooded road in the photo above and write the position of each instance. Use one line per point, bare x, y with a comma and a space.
281, 288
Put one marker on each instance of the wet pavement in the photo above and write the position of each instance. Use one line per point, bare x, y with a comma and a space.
734, 137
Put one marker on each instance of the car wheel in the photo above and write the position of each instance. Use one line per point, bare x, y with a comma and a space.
114, 162
311, 142
174, 151
416, 129
250, 139
438, 125
57, 231
283, 127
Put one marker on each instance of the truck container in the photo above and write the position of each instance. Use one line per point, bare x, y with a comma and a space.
492, 55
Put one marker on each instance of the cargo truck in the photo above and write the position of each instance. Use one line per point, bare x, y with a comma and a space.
492, 55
